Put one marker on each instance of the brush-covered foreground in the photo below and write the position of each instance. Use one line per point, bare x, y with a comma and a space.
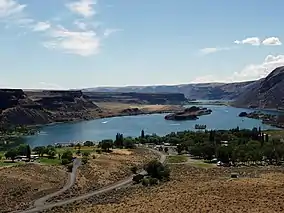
105, 169
194, 189
20, 185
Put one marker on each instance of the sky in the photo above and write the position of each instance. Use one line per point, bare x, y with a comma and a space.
63, 44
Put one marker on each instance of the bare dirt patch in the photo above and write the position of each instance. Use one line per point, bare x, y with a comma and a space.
194, 190
106, 169
20, 185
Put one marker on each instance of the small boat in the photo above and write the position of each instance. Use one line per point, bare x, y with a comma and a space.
199, 126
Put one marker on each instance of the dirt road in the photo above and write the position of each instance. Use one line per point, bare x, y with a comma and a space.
40, 206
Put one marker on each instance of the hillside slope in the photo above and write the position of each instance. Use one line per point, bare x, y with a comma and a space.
202, 91
264, 93
20, 108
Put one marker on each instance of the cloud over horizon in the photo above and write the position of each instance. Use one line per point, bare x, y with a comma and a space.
248, 73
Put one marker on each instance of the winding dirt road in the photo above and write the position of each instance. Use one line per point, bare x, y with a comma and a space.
40, 204
70, 182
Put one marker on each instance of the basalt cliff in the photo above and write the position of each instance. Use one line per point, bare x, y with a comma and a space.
264, 93
33, 107
41, 107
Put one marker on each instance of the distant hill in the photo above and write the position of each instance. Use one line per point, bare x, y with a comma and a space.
264, 93
205, 91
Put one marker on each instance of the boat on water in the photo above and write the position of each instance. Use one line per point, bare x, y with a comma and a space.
200, 126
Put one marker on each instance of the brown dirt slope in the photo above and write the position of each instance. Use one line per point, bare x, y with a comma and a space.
20, 185
194, 190
106, 169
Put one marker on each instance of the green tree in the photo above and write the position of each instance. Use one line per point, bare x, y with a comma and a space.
157, 170
39, 150
142, 134
106, 145
128, 143
67, 157
89, 143
11, 154
28, 152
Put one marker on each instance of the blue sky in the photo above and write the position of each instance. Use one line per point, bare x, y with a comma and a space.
88, 43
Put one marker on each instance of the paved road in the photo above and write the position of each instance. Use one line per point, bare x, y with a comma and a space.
70, 182
116, 185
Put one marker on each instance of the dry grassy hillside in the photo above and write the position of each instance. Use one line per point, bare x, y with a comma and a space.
194, 190
20, 185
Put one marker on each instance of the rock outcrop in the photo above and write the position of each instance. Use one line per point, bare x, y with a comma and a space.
264, 93
202, 91
42, 107
138, 98
191, 113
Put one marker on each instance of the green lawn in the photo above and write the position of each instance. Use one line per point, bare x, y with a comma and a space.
201, 164
48, 161
279, 133
176, 159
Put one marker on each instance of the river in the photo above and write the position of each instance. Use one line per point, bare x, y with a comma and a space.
222, 117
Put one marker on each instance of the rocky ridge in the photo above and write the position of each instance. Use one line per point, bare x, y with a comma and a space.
264, 93
30, 108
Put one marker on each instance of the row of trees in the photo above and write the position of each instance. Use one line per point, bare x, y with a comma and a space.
22, 150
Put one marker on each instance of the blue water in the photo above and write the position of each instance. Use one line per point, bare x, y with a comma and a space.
222, 117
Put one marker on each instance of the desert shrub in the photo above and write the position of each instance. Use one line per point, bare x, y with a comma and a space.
138, 178
153, 181
156, 169
85, 160
69, 167
134, 169
68, 155
86, 154
145, 182
65, 161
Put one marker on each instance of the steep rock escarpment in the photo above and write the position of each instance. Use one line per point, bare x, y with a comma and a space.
202, 91
42, 107
264, 93
139, 98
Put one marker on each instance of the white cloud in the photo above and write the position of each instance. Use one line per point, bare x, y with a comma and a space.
82, 7
80, 25
10, 8
272, 41
41, 26
75, 42
252, 40
250, 72
108, 32
256, 71
209, 50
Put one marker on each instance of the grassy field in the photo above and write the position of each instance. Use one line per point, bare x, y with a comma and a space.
176, 159
74, 150
48, 161
275, 133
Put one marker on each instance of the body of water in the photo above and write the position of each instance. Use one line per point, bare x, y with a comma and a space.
222, 117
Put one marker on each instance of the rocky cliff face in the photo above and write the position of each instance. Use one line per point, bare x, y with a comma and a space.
204, 91
42, 107
139, 98
264, 93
